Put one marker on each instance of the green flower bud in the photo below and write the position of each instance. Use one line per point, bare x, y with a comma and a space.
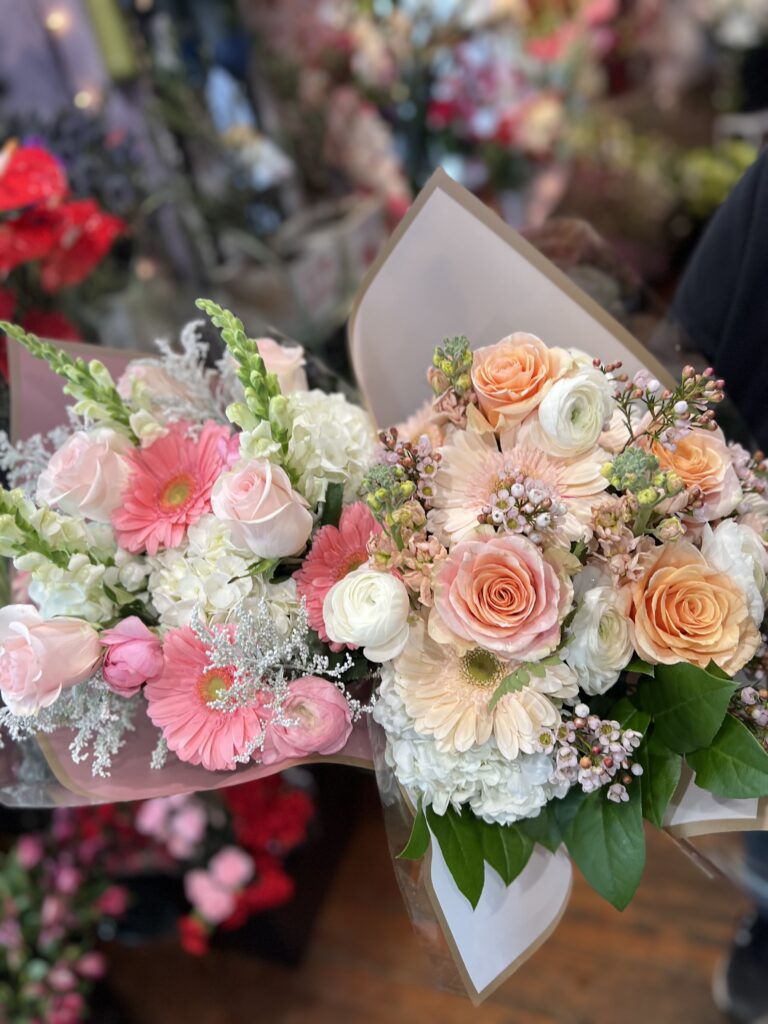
673, 483
463, 382
407, 488
606, 470
648, 497
100, 373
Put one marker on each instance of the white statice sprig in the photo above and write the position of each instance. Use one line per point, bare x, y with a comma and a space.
102, 720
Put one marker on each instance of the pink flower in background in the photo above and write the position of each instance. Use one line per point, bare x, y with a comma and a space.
323, 722
91, 965
286, 362
336, 552
134, 655
114, 901
179, 705
29, 852
212, 902
186, 829
38, 658
231, 868
169, 488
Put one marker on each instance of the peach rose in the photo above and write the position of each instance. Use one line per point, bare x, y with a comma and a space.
263, 512
684, 610
702, 459
287, 362
87, 475
500, 593
38, 658
513, 376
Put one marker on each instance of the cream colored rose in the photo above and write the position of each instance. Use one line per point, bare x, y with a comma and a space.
683, 609
87, 475
368, 609
513, 376
263, 512
287, 362
599, 641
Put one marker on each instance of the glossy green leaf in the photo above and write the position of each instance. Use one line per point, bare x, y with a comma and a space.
418, 843
687, 705
661, 775
459, 838
506, 848
543, 829
607, 843
734, 765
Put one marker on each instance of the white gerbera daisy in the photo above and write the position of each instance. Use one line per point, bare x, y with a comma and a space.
447, 693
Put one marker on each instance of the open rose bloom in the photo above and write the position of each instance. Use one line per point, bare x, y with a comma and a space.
540, 603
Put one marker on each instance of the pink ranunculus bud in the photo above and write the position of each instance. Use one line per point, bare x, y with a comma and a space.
134, 655
39, 658
231, 867
264, 513
91, 965
29, 852
212, 902
323, 722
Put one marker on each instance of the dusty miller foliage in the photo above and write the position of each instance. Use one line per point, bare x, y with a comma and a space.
101, 720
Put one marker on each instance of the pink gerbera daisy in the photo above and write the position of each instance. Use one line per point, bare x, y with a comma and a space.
179, 706
170, 486
336, 551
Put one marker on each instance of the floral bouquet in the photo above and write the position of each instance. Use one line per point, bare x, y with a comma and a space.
544, 591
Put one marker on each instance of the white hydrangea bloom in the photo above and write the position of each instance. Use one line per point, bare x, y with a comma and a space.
206, 573
283, 603
332, 441
76, 591
496, 789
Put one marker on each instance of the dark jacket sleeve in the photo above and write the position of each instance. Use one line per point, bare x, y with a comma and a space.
722, 301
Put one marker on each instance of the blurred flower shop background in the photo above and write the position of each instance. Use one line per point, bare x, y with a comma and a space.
261, 152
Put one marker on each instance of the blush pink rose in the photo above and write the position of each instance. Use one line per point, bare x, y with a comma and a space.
323, 722
212, 902
231, 868
134, 655
86, 476
264, 513
501, 594
513, 376
702, 459
286, 362
39, 658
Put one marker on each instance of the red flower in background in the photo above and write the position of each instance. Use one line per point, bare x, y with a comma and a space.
28, 237
268, 816
193, 935
29, 176
84, 236
51, 324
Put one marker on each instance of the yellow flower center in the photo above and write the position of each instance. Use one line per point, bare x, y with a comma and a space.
481, 668
177, 491
214, 683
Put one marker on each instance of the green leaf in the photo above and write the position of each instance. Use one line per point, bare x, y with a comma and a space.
506, 848
418, 843
661, 775
628, 716
687, 705
607, 843
509, 684
543, 829
334, 497
459, 838
734, 765
641, 667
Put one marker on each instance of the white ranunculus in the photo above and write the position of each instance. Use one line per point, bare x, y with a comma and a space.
369, 609
738, 551
599, 639
575, 411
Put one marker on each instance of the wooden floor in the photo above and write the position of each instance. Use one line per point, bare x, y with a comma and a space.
650, 965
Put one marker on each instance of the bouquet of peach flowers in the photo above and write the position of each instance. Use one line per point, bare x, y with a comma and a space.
581, 561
